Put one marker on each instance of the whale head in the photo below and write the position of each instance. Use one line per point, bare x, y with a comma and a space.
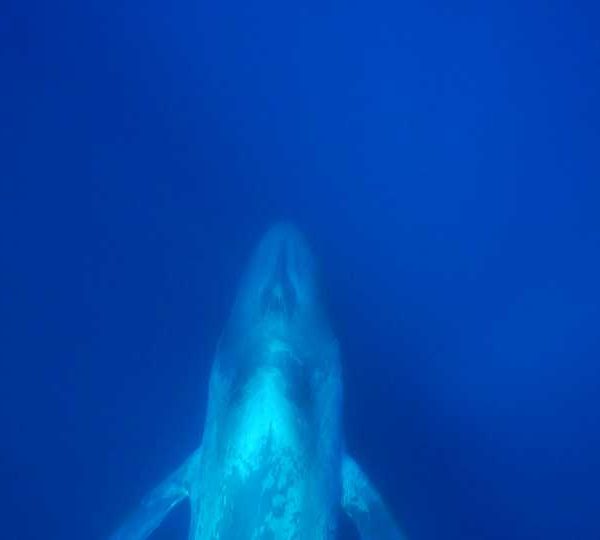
278, 315
279, 286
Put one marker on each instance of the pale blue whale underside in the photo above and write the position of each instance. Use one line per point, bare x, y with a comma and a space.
271, 465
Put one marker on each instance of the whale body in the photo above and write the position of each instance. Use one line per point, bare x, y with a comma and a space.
271, 464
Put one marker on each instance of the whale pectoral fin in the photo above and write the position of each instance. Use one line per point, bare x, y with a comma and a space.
364, 506
159, 502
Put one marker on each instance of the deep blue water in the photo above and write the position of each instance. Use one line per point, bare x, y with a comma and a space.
444, 162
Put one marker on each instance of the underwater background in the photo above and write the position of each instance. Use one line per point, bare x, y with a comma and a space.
443, 160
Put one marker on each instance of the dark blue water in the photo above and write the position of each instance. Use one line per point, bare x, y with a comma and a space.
443, 160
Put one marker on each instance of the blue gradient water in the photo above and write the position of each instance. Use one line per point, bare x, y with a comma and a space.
442, 160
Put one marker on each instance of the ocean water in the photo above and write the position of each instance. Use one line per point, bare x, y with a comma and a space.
443, 162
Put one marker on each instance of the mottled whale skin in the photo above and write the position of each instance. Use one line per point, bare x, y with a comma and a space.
271, 464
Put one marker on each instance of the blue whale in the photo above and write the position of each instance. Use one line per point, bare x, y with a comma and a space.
271, 464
